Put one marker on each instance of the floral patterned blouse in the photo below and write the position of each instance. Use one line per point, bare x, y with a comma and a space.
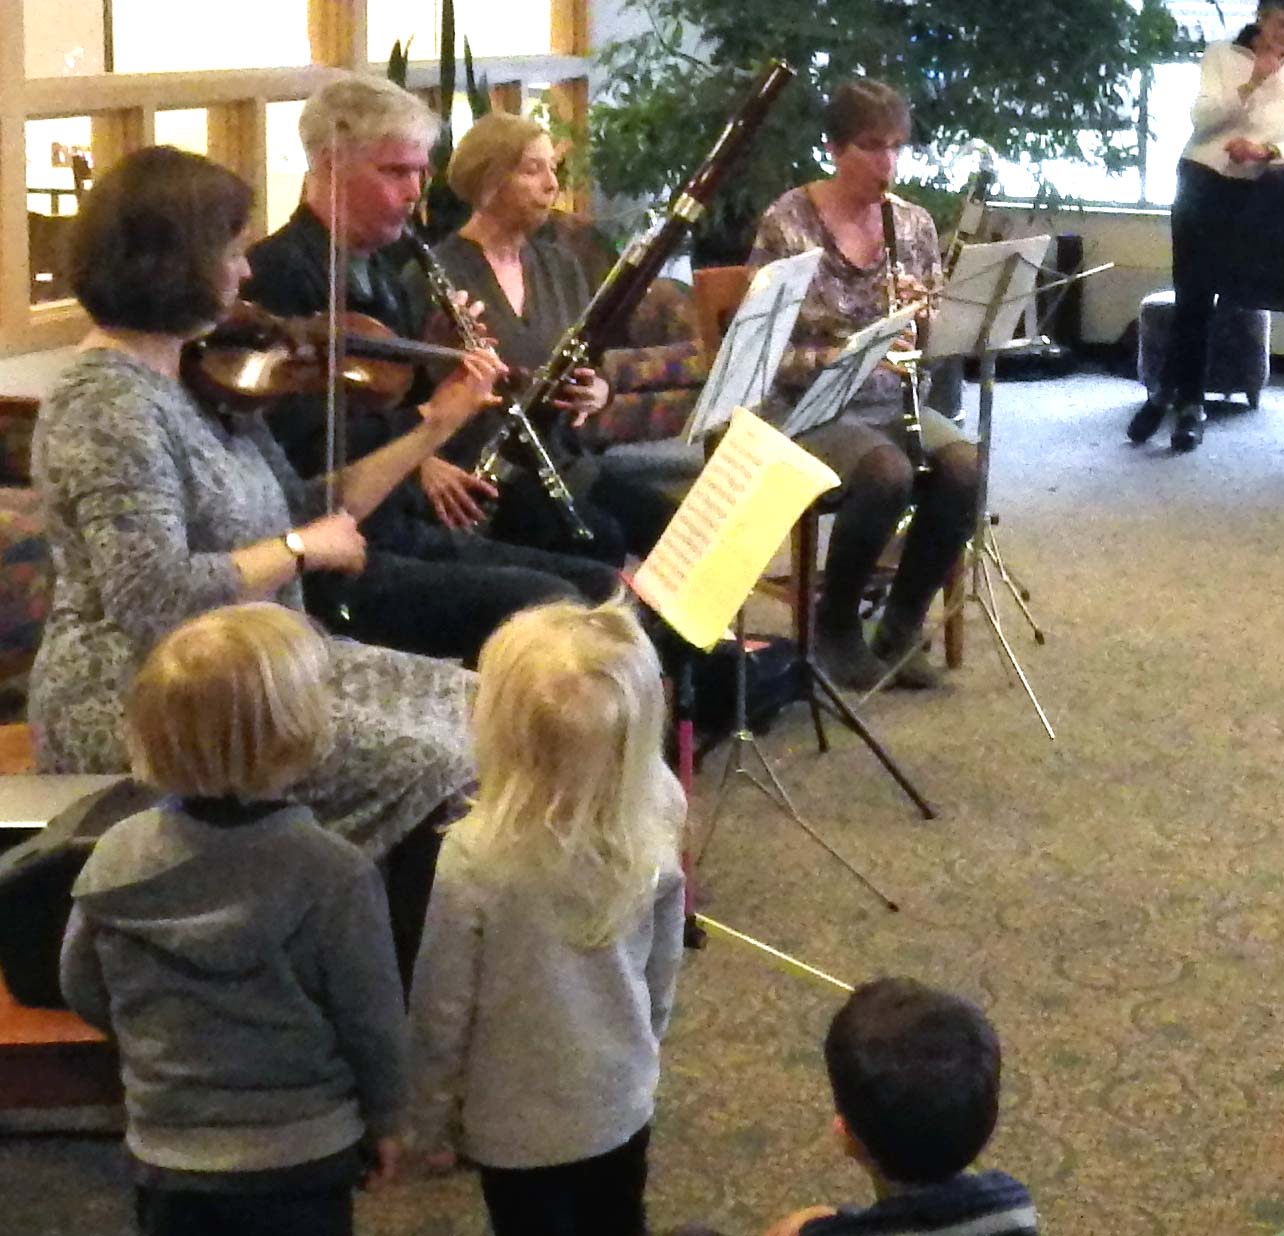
843, 297
145, 496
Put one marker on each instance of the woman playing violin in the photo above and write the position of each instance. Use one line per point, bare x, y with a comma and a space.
867, 123
159, 510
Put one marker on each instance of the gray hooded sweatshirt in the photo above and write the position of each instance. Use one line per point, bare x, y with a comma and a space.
247, 974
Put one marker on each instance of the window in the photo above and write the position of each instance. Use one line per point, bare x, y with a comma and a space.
1165, 101
99, 78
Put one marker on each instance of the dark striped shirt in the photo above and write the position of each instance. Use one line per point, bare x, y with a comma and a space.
984, 1204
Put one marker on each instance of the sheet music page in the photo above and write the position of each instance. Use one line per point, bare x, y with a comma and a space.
754, 342
974, 293
729, 527
834, 386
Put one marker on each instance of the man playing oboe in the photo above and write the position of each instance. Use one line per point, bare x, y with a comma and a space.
433, 583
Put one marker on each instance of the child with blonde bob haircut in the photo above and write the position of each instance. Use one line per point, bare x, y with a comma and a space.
240, 955
233, 703
554, 934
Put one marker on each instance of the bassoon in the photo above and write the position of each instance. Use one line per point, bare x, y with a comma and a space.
639, 264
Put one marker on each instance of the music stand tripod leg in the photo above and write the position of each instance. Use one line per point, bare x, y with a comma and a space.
773, 788
813, 676
1020, 593
983, 546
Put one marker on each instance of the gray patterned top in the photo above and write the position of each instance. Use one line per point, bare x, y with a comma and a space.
145, 497
843, 297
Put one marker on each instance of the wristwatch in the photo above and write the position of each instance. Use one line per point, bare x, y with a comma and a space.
294, 543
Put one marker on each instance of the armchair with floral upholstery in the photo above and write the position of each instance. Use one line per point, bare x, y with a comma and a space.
657, 367
25, 575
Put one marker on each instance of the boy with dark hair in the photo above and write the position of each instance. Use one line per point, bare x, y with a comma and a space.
915, 1077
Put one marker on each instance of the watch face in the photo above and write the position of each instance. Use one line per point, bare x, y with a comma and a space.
294, 543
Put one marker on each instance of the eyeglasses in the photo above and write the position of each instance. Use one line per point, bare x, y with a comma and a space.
873, 145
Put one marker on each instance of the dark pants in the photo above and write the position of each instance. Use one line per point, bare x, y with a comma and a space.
879, 484
1205, 214
162, 1212
408, 872
591, 1197
625, 515
444, 598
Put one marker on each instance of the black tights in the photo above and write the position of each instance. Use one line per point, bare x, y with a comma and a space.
874, 496
408, 870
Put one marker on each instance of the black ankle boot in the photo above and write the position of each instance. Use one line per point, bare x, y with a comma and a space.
895, 642
1147, 419
1189, 430
842, 654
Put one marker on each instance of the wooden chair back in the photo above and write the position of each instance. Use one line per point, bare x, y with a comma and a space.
718, 291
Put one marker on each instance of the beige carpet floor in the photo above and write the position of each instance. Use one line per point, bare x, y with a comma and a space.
1112, 898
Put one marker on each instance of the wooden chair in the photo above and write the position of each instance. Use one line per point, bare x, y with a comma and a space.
718, 291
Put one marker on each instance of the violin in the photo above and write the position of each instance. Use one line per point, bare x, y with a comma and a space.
254, 356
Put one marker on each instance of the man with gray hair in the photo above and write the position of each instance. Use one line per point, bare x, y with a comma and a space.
433, 583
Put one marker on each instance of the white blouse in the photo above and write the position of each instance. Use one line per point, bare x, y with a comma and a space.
1220, 113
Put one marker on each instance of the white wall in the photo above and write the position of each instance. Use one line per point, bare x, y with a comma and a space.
1141, 249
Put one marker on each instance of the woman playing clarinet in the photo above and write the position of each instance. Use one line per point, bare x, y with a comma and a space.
886, 459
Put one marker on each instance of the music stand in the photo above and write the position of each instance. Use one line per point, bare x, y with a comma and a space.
753, 343
742, 376
987, 295
697, 578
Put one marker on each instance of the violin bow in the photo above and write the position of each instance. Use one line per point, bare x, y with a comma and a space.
336, 410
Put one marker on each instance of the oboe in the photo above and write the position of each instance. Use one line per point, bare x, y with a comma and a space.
516, 431
909, 369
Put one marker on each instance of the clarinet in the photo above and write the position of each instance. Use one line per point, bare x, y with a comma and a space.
643, 257
492, 466
910, 414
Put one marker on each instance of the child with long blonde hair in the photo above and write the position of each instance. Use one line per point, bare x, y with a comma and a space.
554, 934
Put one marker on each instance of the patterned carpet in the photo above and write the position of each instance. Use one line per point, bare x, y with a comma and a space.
1112, 899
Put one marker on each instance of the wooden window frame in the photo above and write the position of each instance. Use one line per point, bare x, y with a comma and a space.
122, 110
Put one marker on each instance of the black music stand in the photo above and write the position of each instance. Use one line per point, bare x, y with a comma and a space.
991, 288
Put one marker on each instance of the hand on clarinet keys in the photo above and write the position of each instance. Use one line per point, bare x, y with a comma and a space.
585, 395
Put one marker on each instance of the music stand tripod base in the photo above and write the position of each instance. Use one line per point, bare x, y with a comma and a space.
772, 788
984, 552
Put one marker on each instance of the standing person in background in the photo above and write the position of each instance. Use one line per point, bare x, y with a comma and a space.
239, 955
554, 937
866, 124
1238, 120
433, 582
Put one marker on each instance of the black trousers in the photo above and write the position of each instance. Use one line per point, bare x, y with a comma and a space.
164, 1212
625, 515
601, 1196
443, 598
1205, 215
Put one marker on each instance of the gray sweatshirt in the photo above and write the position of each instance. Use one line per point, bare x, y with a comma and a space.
544, 1052
247, 974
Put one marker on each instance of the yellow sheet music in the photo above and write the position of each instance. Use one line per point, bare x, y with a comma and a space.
729, 527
